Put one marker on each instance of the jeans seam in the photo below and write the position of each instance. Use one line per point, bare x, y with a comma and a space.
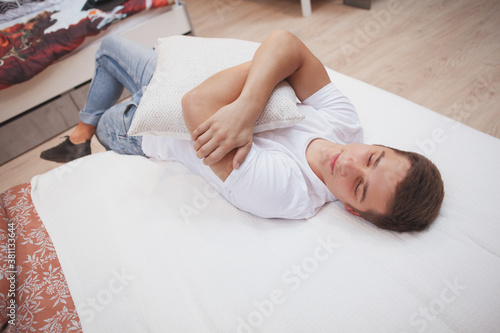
123, 120
126, 132
121, 67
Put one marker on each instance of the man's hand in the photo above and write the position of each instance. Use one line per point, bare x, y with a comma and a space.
220, 113
229, 128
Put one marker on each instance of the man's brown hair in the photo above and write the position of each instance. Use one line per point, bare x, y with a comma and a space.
417, 199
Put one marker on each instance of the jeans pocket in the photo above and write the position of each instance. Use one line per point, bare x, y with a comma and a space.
128, 115
122, 145
127, 145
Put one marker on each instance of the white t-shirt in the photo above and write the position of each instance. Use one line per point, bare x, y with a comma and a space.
275, 181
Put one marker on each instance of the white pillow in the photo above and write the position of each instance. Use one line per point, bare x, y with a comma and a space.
183, 63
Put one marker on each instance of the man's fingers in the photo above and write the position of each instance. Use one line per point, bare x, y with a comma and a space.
241, 155
200, 130
202, 140
215, 156
207, 149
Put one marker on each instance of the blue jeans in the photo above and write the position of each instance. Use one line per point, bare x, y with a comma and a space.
120, 63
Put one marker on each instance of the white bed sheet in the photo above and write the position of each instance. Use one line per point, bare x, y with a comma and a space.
148, 246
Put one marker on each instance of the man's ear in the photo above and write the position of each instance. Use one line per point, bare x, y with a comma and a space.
350, 210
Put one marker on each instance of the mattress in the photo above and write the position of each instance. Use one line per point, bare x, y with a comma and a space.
147, 245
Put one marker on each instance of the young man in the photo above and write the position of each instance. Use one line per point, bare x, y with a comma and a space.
284, 173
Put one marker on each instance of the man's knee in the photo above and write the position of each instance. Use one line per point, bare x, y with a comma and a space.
108, 43
110, 40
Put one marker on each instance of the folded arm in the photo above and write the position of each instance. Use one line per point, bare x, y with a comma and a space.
220, 113
214, 104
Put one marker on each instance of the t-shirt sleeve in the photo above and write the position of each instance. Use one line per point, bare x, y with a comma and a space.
269, 184
335, 108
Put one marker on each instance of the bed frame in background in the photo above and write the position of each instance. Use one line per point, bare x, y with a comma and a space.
34, 111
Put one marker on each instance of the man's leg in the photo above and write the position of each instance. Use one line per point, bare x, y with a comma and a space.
113, 127
119, 63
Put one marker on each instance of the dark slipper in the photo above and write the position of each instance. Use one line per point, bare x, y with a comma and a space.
66, 151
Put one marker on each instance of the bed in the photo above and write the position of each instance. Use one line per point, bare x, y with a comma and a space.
147, 246
29, 79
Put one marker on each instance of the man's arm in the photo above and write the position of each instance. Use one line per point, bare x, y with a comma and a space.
281, 56
216, 95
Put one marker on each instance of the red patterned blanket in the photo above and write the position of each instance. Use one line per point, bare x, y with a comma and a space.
34, 295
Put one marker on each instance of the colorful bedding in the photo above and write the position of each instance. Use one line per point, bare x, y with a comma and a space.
34, 34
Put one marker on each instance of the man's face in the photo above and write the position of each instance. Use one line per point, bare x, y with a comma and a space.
363, 176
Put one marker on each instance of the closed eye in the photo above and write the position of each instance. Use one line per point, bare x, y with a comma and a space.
370, 159
358, 185
377, 161
356, 190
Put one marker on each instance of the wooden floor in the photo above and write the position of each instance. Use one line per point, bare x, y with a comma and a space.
442, 54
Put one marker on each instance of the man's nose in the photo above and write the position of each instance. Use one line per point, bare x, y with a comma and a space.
351, 167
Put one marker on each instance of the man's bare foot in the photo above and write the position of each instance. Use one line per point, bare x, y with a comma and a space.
82, 133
